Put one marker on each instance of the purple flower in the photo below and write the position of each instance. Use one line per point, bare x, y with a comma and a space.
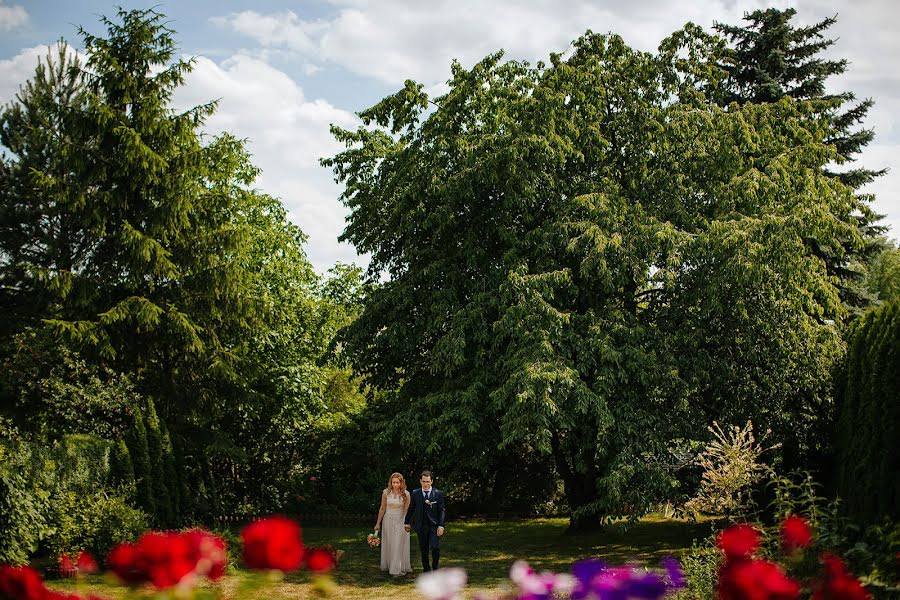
621, 583
674, 575
585, 571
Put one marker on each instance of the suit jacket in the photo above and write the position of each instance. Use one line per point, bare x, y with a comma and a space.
426, 516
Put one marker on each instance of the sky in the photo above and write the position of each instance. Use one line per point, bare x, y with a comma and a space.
285, 71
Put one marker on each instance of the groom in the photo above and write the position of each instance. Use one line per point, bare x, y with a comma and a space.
428, 509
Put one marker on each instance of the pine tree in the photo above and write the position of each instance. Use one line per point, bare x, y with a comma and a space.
773, 58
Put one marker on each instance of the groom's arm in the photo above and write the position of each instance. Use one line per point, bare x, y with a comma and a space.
442, 510
410, 510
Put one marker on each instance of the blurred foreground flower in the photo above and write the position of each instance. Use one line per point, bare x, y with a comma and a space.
443, 584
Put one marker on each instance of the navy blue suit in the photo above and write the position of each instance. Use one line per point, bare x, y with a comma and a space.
425, 518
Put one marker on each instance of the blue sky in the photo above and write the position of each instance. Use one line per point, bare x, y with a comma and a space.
286, 70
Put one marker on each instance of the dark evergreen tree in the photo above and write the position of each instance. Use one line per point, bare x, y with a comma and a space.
139, 450
773, 58
121, 468
868, 464
161, 497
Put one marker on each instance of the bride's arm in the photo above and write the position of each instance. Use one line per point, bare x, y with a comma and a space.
381, 510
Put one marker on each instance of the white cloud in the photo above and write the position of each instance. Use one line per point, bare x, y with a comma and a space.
12, 17
15, 71
287, 134
394, 40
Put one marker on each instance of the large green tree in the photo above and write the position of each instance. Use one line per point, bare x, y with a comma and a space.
592, 258
772, 57
139, 240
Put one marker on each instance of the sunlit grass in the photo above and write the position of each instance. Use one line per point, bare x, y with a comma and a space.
486, 549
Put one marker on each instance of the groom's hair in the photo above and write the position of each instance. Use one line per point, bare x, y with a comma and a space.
426, 474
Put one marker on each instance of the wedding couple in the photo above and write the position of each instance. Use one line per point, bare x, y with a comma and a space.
425, 509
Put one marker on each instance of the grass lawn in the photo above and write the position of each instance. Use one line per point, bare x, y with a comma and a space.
486, 549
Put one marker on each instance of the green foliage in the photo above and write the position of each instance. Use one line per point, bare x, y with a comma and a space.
25, 487
701, 570
595, 257
883, 275
95, 522
39, 485
868, 466
49, 391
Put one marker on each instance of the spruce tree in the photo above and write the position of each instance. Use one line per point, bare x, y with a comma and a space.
773, 58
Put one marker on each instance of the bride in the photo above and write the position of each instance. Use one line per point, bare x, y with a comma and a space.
394, 538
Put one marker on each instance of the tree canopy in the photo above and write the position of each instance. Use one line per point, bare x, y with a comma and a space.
591, 255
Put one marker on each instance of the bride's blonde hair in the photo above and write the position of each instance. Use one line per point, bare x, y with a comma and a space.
390, 489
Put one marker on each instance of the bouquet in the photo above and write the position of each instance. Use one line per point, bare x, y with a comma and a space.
373, 540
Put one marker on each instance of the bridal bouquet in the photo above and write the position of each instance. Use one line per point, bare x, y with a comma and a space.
373, 540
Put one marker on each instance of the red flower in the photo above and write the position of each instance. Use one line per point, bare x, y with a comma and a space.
65, 563
795, 533
21, 583
123, 561
838, 583
273, 543
738, 541
746, 579
86, 563
320, 560
208, 553
165, 558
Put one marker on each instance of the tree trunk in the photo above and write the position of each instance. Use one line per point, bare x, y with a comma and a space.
579, 488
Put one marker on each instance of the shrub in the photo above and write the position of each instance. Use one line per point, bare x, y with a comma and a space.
731, 466
95, 523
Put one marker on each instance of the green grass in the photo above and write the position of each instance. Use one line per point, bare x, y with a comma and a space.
486, 549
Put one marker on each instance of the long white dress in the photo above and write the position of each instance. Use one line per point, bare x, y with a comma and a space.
394, 539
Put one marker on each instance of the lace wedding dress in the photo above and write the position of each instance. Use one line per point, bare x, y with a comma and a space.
394, 540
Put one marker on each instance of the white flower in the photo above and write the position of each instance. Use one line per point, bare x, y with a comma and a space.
443, 584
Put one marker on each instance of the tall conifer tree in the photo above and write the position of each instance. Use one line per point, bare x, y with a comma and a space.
772, 58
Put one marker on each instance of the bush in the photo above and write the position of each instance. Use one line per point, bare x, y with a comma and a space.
731, 466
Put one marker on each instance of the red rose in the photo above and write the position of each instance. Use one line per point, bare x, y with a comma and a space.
838, 583
273, 543
21, 583
745, 579
320, 560
166, 558
795, 533
86, 563
738, 541
123, 561
65, 563
208, 553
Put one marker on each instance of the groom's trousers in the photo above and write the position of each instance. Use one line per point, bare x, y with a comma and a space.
428, 540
